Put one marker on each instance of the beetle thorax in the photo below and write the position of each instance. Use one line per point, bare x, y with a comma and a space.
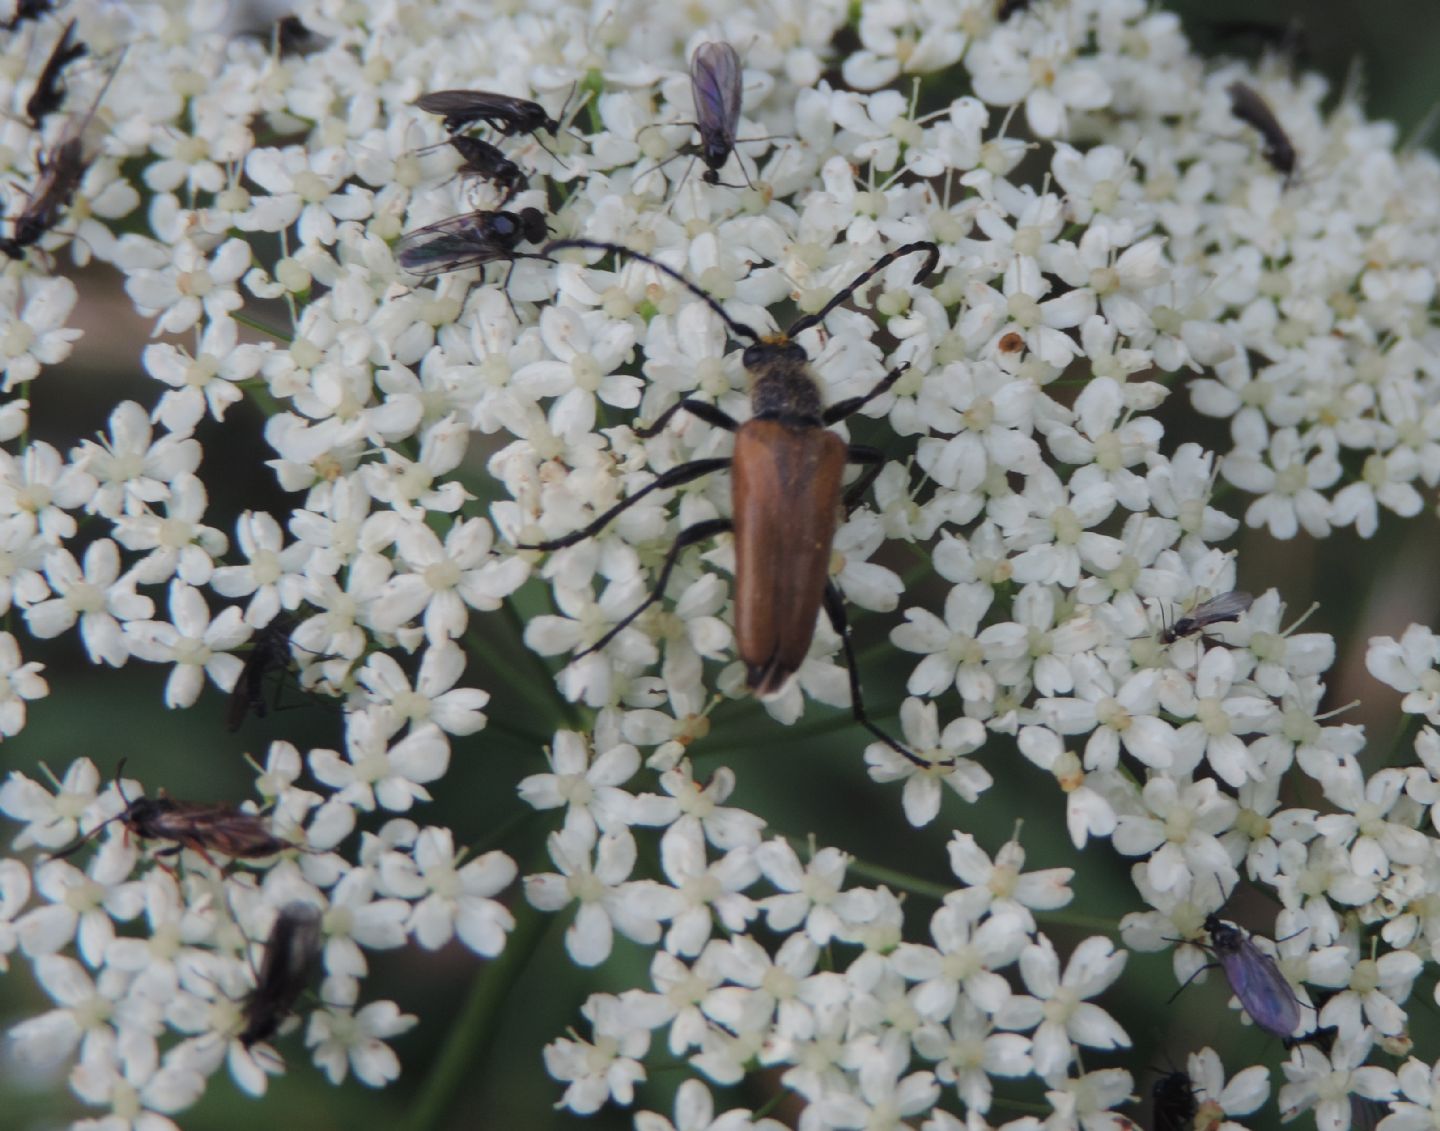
784, 387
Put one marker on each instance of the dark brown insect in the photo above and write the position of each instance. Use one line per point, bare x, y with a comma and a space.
501, 112
292, 37
27, 10
1218, 610
1253, 110
786, 492
1173, 1104
1011, 343
481, 159
48, 93
1009, 7
291, 953
200, 826
270, 650
61, 170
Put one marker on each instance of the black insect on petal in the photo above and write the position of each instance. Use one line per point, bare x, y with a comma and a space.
501, 112
1173, 1104
1247, 105
1217, 610
291, 952
469, 240
1255, 978
715, 84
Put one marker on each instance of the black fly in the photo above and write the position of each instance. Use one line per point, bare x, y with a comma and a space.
481, 159
1173, 1103
1250, 108
501, 112
715, 87
48, 93
270, 650
469, 240
290, 955
1218, 610
715, 84
1254, 977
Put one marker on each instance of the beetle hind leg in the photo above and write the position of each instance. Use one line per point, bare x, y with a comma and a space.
835, 611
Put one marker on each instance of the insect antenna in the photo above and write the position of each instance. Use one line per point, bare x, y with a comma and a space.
739, 329
70, 850
932, 259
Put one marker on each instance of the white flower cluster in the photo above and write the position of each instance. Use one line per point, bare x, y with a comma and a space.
1106, 227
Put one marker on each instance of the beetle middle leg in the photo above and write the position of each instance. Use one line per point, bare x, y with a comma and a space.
688, 537
674, 477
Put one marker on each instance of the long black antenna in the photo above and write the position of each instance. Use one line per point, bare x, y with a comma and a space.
98, 829
931, 260
739, 329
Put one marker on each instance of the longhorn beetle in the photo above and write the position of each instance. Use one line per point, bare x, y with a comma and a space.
786, 493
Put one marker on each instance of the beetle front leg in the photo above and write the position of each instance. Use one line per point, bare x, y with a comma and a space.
835, 611
851, 405
688, 537
706, 412
685, 473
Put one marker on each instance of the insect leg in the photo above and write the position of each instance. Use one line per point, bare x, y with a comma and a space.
874, 461
686, 472
706, 412
697, 533
835, 610
851, 405
1185, 984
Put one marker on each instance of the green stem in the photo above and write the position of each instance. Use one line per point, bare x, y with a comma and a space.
474, 1028
260, 327
891, 877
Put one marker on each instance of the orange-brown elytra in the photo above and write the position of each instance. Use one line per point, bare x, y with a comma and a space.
786, 492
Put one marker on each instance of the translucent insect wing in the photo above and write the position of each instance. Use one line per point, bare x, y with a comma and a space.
715, 85
1225, 607
1256, 980
451, 244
